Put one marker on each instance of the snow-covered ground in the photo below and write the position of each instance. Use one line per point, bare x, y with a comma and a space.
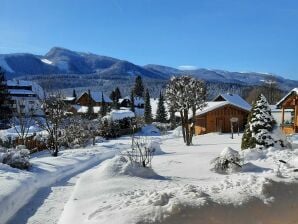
181, 188
18, 186
78, 188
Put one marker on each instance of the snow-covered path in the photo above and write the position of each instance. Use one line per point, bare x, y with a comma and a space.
47, 204
45, 197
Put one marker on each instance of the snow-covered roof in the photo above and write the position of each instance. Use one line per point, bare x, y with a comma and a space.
21, 92
121, 114
225, 99
211, 106
234, 99
69, 98
84, 109
97, 96
24, 83
137, 100
295, 90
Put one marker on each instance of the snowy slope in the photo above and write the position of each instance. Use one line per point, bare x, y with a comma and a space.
17, 187
182, 189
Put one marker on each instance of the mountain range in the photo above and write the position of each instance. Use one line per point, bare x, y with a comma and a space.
64, 62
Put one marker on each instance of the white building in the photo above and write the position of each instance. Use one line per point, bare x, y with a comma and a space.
25, 97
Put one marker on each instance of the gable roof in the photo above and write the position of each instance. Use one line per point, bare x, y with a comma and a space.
223, 100
295, 91
233, 99
97, 96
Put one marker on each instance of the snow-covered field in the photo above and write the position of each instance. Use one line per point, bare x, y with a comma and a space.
18, 186
180, 187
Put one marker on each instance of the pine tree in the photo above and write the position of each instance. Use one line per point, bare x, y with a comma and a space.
132, 102
139, 87
103, 109
5, 109
74, 94
118, 94
161, 114
258, 132
114, 99
90, 110
147, 109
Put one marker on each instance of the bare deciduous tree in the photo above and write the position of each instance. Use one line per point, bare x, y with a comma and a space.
54, 109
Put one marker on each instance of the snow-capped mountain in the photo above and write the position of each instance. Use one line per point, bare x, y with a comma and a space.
63, 61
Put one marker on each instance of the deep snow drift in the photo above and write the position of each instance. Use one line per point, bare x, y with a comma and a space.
181, 188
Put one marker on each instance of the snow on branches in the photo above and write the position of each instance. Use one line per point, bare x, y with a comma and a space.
185, 94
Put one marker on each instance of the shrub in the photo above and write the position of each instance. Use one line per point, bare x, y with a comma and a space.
228, 161
17, 158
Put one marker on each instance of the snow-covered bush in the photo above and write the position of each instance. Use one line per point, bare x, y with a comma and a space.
109, 129
141, 152
163, 127
228, 161
80, 132
17, 158
259, 130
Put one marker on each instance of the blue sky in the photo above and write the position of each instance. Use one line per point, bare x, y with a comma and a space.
235, 35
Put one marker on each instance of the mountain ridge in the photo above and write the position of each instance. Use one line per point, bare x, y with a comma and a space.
64, 61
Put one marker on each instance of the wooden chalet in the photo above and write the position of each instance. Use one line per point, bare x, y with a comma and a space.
289, 102
217, 115
93, 98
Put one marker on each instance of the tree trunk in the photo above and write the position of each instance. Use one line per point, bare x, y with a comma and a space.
187, 131
183, 125
193, 124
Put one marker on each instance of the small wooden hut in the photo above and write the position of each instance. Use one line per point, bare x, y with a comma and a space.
289, 102
218, 114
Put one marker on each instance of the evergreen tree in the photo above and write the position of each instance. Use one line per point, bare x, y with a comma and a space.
161, 114
132, 102
103, 109
258, 132
147, 109
118, 94
114, 99
5, 109
74, 94
139, 87
90, 110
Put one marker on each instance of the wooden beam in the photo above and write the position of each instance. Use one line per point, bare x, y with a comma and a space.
283, 116
296, 116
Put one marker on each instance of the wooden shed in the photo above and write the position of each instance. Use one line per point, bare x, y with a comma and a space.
289, 102
216, 116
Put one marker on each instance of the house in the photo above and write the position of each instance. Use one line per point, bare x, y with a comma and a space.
94, 98
216, 116
78, 109
289, 102
126, 102
25, 97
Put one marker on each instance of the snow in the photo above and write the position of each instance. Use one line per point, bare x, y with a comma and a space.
46, 61
235, 100
84, 109
4, 64
97, 96
295, 91
121, 114
17, 186
37, 89
180, 188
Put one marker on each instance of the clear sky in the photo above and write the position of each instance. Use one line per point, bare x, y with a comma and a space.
235, 35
